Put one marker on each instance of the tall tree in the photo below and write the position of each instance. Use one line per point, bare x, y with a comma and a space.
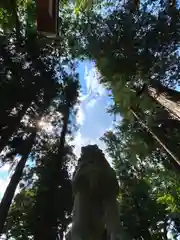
168, 98
143, 195
47, 224
31, 88
15, 179
136, 47
21, 221
36, 69
156, 138
24, 148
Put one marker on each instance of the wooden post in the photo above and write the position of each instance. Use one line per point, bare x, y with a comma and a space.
47, 17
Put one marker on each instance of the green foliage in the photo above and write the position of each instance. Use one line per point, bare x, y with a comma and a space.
169, 200
134, 50
148, 192
131, 49
38, 84
82, 5
23, 215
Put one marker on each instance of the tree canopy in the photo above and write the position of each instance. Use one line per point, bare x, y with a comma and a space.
135, 47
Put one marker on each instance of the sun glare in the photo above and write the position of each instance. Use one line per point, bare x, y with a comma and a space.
46, 126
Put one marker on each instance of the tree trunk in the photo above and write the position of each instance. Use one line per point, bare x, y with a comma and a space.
47, 217
168, 98
11, 188
175, 160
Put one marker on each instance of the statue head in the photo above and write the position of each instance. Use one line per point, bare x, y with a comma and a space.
94, 149
91, 153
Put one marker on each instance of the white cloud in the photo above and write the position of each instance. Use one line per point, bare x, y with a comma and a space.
80, 141
94, 91
92, 118
92, 79
80, 117
91, 103
4, 181
5, 176
82, 97
4, 168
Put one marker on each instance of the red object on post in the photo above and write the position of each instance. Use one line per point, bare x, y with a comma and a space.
47, 16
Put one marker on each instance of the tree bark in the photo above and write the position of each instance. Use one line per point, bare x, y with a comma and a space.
11, 188
175, 160
168, 98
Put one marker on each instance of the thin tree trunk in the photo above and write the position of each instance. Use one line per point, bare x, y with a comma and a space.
11, 188
47, 222
163, 145
168, 98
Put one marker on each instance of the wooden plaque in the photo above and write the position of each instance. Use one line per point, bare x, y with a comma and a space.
47, 16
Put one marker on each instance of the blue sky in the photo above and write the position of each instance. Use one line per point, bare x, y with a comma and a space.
92, 118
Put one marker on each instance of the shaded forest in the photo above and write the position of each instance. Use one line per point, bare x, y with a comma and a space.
135, 48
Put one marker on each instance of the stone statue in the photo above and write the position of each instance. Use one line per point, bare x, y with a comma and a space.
95, 189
